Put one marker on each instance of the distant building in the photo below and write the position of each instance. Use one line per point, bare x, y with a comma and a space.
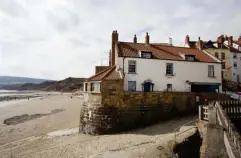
225, 50
158, 67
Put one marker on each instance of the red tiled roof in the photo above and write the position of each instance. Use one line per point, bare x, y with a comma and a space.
232, 49
107, 74
160, 51
237, 42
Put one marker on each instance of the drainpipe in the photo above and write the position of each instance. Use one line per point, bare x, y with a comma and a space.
124, 66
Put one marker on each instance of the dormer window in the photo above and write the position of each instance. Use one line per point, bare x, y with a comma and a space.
145, 54
190, 57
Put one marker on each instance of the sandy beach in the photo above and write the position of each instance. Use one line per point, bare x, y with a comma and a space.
41, 137
68, 118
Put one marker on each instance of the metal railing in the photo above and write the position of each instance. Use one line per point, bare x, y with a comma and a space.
176, 129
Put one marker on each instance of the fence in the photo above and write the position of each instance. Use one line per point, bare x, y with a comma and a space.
223, 113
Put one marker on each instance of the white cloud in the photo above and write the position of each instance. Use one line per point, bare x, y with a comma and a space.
61, 38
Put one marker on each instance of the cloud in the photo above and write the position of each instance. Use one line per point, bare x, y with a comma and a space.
56, 39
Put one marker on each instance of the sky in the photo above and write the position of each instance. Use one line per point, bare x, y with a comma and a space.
56, 39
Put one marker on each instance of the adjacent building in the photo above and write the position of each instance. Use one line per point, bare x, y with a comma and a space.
151, 67
225, 50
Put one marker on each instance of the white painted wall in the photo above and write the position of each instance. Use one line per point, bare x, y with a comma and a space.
156, 69
236, 71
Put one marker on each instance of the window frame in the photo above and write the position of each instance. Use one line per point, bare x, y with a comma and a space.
92, 87
169, 68
235, 56
145, 54
190, 57
223, 55
132, 66
131, 83
216, 55
211, 71
86, 87
169, 87
223, 65
235, 63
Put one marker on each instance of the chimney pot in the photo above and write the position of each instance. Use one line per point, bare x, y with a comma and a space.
187, 40
230, 41
147, 39
170, 41
135, 39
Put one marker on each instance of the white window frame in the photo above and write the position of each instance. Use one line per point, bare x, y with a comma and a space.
132, 86
169, 68
131, 66
211, 72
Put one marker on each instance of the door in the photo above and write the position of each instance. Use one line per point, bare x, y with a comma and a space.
147, 87
238, 78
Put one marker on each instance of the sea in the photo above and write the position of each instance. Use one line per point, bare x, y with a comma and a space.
21, 95
4, 93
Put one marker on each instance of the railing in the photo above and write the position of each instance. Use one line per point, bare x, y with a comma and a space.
232, 138
230, 133
176, 132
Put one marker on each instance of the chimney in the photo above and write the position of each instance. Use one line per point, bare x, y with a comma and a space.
114, 42
225, 37
220, 39
170, 41
199, 44
187, 39
239, 39
230, 41
147, 39
135, 39
110, 58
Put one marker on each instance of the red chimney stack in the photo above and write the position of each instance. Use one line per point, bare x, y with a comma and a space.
230, 41
113, 49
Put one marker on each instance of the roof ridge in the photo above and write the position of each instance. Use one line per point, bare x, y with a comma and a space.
164, 50
101, 72
108, 73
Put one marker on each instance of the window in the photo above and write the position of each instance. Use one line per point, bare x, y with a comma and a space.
210, 70
169, 68
216, 54
223, 65
235, 64
146, 54
223, 55
92, 87
190, 57
132, 66
86, 87
235, 56
131, 85
169, 87
220, 45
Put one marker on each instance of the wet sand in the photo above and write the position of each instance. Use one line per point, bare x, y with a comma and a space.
68, 118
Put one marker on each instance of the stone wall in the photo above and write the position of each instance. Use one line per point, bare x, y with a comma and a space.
98, 119
118, 110
112, 92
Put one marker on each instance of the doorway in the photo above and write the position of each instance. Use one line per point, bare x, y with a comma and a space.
148, 87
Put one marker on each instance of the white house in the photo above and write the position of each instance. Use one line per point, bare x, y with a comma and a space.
235, 57
160, 67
